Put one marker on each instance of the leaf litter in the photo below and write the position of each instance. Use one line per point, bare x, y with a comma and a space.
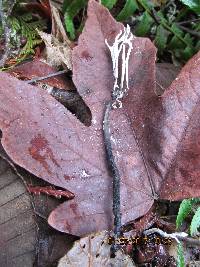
94, 250
57, 44
154, 139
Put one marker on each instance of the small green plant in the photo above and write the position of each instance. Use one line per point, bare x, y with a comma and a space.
22, 25
26, 26
192, 4
174, 37
188, 207
70, 10
180, 256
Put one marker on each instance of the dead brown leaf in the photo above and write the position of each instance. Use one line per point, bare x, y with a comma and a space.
37, 68
18, 229
155, 139
94, 250
58, 46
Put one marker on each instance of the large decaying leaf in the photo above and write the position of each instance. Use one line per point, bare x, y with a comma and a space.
18, 228
94, 250
155, 139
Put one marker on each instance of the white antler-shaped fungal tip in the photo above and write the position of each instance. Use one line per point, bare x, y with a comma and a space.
121, 47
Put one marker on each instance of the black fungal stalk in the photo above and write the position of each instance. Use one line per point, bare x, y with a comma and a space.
114, 170
120, 53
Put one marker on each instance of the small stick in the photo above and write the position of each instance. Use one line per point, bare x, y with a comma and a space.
178, 236
187, 21
49, 190
47, 76
191, 241
7, 32
197, 34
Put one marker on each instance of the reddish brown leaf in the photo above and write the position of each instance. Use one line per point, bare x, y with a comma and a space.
37, 68
155, 140
178, 131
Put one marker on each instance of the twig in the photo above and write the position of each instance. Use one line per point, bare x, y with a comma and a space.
187, 21
191, 241
189, 31
47, 76
49, 190
161, 87
40, 215
11, 6
2, 17
178, 236
6, 31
